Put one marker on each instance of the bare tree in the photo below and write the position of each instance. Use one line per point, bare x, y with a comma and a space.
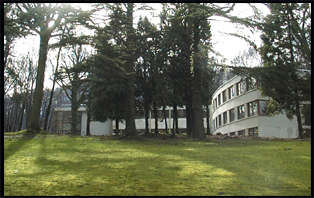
71, 77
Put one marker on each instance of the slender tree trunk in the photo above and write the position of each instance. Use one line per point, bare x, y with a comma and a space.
198, 126
146, 114
156, 116
22, 116
189, 112
34, 124
207, 119
74, 108
165, 117
88, 122
52, 91
298, 114
130, 106
175, 119
295, 78
174, 129
117, 126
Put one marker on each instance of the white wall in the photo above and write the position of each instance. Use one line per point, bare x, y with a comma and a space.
101, 128
140, 123
96, 128
279, 126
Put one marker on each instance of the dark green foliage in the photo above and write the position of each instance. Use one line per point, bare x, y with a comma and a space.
108, 75
187, 41
107, 90
286, 53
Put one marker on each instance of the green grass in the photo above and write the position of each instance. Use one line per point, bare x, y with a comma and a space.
61, 165
15, 133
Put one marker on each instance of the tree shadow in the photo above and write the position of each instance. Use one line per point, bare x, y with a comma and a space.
120, 174
17, 145
266, 178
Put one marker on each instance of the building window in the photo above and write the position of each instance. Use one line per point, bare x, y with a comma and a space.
251, 83
232, 133
241, 112
253, 131
224, 96
219, 100
214, 103
225, 117
240, 88
252, 107
219, 120
262, 107
231, 92
231, 115
242, 132
214, 124
216, 121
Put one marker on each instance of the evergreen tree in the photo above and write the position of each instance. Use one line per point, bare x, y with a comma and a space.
145, 68
108, 75
188, 31
286, 53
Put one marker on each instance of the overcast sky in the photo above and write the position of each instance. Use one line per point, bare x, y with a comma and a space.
228, 46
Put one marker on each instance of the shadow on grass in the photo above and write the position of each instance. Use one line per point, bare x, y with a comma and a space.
17, 145
113, 173
107, 174
92, 172
257, 169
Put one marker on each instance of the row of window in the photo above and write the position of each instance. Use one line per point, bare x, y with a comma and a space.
252, 132
235, 90
257, 107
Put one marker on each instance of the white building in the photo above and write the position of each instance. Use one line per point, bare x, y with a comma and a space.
239, 109
63, 122
140, 122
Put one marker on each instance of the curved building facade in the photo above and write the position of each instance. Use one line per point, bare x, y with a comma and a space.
239, 109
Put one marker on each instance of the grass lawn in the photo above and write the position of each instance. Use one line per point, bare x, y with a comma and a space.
78, 166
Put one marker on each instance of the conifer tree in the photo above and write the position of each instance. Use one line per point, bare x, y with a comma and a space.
286, 55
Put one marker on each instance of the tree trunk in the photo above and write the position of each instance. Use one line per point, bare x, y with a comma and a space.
117, 124
175, 119
146, 114
207, 119
130, 107
156, 116
165, 117
88, 122
198, 126
33, 124
22, 116
74, 108
52, 92
298, 114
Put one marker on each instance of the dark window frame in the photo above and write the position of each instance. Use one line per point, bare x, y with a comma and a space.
253, 131
251, 106
231, 115
264, 113
224, 117
241, 112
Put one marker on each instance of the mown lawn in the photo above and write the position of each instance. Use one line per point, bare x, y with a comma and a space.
57, 166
